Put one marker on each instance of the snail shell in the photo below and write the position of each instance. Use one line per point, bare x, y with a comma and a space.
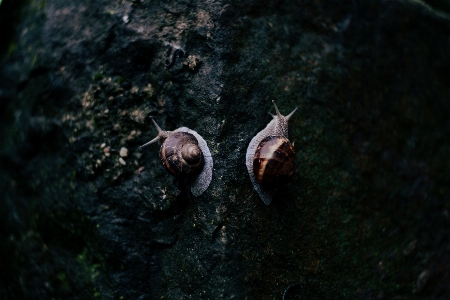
181, 155
273, 162
185, 154
270, 157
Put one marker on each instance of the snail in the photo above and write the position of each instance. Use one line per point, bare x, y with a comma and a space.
184, 154
270, 157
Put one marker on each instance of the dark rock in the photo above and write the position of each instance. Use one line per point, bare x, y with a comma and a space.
126, 85
365, 215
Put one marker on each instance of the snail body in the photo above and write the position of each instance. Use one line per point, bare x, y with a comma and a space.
185, 154
270, 157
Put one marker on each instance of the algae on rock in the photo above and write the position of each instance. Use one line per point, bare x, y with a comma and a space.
366, 215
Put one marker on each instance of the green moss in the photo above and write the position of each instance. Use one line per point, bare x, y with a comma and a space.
97, 76
121, 80
11, 48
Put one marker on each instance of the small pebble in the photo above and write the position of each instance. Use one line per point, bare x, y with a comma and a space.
123, 152
106, 151
122, 162
102, 145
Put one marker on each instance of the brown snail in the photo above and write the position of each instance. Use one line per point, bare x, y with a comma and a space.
270, 157
184, 154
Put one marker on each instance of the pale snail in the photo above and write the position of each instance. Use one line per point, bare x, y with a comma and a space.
185, 154
270, 157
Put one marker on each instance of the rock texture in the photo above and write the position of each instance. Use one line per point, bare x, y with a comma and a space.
366, 216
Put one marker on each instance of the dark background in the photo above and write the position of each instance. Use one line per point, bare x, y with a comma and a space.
367, 215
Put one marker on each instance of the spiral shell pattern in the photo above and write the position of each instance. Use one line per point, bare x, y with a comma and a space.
181, 155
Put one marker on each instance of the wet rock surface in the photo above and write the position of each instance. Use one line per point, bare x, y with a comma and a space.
86, 213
